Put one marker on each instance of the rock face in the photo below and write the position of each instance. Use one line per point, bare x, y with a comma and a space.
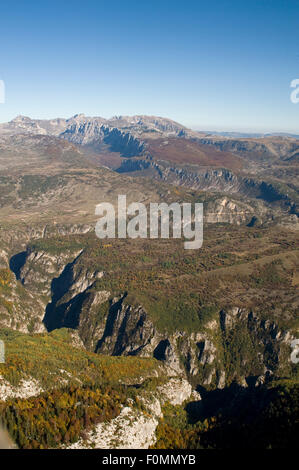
27, 388
203, 356
72, 298
26, 125
226, 210
96, 134
23, 307
256, 191
134, 429
116, 326
176, 391
130, 430
127, 331
46, 264
121, 133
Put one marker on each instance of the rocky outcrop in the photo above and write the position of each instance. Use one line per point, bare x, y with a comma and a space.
227, 210
175, 391
28, 387
133, 428
40, 267
221, 180
115, 326
233, 345
128, 330
96, 134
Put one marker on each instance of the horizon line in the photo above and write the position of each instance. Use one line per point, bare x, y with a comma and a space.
195, 127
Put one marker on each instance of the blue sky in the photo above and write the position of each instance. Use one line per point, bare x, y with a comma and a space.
218, 65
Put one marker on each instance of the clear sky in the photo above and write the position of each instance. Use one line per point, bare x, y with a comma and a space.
216, 65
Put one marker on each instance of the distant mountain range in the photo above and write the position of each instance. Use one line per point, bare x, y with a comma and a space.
85, 125
139, 123
252, 135
160, 138
160, 148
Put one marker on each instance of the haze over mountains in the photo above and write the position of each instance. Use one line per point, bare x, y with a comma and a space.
252, 134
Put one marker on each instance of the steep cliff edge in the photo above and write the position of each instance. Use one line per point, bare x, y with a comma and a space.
228, 344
